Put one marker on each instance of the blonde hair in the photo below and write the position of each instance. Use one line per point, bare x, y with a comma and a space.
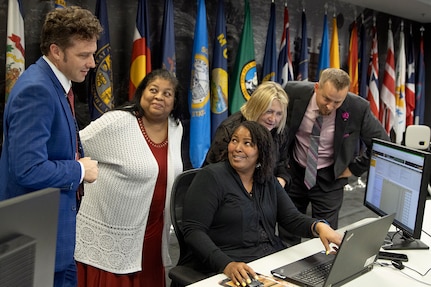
261, 100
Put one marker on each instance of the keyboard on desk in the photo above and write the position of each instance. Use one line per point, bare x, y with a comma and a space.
309, 271
315, 275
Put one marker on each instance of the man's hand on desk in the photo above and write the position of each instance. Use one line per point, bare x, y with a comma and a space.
328, 235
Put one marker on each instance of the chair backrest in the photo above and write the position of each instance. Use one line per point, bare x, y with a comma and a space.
418, 137
179, 191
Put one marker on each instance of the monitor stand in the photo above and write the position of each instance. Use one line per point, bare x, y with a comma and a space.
401, 242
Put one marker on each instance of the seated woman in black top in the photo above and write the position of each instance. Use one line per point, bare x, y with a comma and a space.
232, 208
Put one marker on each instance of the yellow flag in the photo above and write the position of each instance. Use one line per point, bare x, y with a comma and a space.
334, 52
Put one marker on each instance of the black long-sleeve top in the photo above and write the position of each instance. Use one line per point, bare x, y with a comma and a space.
221, 219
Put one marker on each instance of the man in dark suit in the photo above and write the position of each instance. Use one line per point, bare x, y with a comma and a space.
347, 119
40, 147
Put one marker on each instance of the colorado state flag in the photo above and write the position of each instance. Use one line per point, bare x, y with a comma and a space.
141, 53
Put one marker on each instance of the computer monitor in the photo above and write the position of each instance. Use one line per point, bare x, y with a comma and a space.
397, 183
28, 233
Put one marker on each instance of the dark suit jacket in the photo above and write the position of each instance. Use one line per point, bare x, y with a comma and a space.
353, 121
39, 149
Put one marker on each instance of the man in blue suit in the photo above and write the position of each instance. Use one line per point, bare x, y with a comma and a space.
40, 147
347, 120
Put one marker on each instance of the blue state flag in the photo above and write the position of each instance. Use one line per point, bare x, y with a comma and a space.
60, 4
199, 93
101, 97
324, 49
303, 60
168, 38
219, 76
269, 70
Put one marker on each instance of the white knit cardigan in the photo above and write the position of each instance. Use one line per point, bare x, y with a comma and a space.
112, 219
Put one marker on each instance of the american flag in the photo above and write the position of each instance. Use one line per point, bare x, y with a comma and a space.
387, 94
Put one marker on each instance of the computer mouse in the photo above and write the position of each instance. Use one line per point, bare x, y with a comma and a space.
397, 264
255, 283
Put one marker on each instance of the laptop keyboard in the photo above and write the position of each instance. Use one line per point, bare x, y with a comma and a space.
316, 274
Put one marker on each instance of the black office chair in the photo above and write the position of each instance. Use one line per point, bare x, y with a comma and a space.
181, 275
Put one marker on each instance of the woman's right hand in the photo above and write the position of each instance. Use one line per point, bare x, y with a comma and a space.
240, 273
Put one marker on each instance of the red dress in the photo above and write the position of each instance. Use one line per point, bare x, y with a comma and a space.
153, 271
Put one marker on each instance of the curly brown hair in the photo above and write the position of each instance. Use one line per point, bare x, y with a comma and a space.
63, 25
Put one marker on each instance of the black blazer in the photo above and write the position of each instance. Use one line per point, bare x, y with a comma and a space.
353, 122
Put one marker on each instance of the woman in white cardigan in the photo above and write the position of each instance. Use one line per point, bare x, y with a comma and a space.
123, 221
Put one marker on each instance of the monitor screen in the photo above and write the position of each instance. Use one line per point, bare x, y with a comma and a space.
28, 233
397, 183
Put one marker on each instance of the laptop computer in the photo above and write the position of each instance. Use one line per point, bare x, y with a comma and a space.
356, 255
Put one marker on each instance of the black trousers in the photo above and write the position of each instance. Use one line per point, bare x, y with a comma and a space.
324, 204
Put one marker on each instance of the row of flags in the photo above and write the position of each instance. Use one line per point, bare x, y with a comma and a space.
396, 109
400, 101
213, 93
100, 96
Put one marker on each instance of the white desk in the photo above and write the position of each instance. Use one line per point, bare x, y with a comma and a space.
419, 260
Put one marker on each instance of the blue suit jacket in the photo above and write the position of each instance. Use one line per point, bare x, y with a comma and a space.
353, 122
39, 149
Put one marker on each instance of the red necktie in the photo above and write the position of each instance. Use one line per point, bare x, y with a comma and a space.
71, 100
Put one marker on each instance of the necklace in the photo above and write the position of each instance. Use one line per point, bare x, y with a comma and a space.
147, 138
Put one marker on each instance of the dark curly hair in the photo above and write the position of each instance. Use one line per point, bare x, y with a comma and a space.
135, 105
263, 140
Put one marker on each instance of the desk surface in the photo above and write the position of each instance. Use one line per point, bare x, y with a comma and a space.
419, 260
